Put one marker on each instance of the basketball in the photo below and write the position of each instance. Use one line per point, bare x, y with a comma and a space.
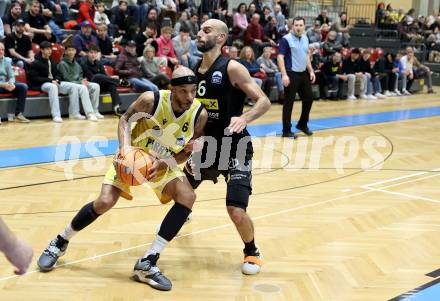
134, 166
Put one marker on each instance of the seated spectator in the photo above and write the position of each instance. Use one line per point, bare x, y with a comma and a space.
252, 9
255, 37
166, 48
86, 12
152, 18
194, 25
146, 38
9, 19
413, 69
52, 12
240, 22
325, 30
331, 45
93, 70
19, 46
183, 21
105, 45
125, 19
271, 70
9, 85
314, 35
380, 78
365, 68
233, 53
352, 68
222, 13
43, 75
70, 70
36, 25
265, 16
281, 19
183, 49
100, 15
167, 9
128, 67
83, 39
247, 59
393, 73
332, 70
150, 66
271, 30
380, 15
342, 28
322, 18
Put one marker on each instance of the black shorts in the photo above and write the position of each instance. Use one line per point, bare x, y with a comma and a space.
238, 177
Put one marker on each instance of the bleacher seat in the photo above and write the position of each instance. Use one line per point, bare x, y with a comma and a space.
110, 72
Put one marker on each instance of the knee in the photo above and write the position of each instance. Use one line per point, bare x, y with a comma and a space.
187, 198
236, 214
104, 203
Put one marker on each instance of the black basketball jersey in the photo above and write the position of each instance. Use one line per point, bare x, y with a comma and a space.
220, 98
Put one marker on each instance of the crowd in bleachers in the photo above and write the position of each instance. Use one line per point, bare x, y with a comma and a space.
80, 48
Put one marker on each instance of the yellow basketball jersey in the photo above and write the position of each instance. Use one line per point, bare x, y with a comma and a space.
164, 135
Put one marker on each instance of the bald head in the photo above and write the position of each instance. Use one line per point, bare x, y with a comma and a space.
182, 71
212, 35
217, 25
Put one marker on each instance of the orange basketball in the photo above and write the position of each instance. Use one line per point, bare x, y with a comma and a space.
133, 168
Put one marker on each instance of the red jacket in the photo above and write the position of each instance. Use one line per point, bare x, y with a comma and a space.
165, 48
86, 13
254, 32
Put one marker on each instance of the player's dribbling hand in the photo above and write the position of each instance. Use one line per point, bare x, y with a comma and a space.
20, 255
237, 125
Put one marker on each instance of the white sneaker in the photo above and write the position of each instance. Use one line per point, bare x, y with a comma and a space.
388, 93
99, 115
252, 263
57, 119
397, 92
406, 92
380, 95
11, 117
371, 97
77, 117
92, 117
351, 97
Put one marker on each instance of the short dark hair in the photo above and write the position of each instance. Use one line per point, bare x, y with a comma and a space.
45, 44
298, 18
184, 28
93, 47
356, 50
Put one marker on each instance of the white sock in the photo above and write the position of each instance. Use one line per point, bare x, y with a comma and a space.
68, 232
157, 246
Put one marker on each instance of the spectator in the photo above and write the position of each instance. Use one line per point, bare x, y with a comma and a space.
194, 26
413, 69
125, 19
83, 39
14, 13
380, 78
183, 21
166, 48
380, 15
265, 17
19, 46
183, 49
342, 29
36, 25
128, 67
51, 12
93, 70
332, 70
100, 15
208, 7
105, 45
240, 21
322, 18
152, 18
252, 9
271, 70
399, 67
325, 29
9, 85
43, 75
247, 59
167, 9
281, 19
222, 13
145, 38
86, 13
365, 66
352, 68
271, 30
390, 80
151, 68
70, 70
314, 34
233, 53
255, 37
331, 45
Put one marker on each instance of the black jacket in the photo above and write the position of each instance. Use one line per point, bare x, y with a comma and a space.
90, 69
350, 67
39, 72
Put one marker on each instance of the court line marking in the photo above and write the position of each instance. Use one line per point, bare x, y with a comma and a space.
400, 178
368, 190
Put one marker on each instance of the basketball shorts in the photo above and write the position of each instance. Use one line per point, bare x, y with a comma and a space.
238, 179
158, 184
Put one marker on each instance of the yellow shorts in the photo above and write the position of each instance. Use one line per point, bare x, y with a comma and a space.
158, 184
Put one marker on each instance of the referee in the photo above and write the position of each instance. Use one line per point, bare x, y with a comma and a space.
294, 62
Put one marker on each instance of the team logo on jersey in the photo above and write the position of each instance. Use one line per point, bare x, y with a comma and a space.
180, 141
209, 103
217, 78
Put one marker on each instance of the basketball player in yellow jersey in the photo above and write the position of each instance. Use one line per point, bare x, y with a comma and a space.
168, 122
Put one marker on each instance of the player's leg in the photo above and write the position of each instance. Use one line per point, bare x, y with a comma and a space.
146, 270
86, 215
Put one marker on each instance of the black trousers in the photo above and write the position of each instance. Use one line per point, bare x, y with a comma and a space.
299, 82
109, 84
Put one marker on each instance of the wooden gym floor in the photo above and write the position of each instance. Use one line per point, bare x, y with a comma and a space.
368, 229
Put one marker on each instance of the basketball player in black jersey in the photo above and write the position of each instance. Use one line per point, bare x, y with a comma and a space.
222, 88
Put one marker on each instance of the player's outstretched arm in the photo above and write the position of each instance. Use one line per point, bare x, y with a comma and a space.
241, 78
144, 104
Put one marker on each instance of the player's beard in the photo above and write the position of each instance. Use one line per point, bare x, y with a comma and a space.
206, 46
